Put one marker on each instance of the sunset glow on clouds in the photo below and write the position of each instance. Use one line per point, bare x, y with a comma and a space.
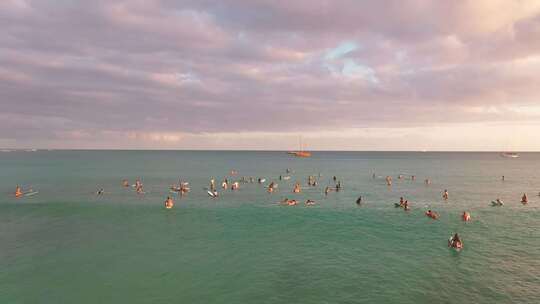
354, 75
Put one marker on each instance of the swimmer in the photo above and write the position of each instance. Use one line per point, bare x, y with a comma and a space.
169, 203
466, 216
18, 191
310, 202
359, 200
297, 188
270, 187
445, 194
389, 180
524, 199
292, 203
406, 206
433, 215
455, 242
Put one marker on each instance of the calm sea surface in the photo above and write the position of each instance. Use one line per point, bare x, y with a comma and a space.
67, 245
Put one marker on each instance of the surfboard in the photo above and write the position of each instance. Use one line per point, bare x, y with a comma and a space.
211, 193
31, 193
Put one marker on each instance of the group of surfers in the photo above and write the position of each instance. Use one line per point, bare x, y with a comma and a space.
183, 188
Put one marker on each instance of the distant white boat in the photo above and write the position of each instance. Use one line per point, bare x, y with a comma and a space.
510, 154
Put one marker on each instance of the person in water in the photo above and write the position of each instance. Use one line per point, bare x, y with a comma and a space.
125, 183
271, 187
297, 188
292, 203
359, 200
445, 194
18, 191
169, 203
432, 214
455, 242
524, 199
466, 216
100, 192
401, 201
338, 186
310, 202
413, 177
406, 206
326, 191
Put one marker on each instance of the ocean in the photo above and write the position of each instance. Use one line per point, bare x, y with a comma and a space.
68, 245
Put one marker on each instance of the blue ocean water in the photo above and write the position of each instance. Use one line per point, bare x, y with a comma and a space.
68, 245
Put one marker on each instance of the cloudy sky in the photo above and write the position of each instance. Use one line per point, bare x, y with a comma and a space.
246, 74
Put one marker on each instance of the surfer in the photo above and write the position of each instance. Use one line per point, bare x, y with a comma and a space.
455, 242
297, 188
292, 203
359, 200
466, 216
169, 203
18, 191
271, 187
524, 199
433, 215
445, 194
406, 206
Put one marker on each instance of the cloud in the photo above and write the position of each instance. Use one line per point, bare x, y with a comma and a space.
186, 73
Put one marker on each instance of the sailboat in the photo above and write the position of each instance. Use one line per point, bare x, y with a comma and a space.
301, 152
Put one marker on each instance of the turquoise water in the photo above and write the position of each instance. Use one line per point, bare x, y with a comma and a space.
66, 245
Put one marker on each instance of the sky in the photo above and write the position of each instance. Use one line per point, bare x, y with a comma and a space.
258, 75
